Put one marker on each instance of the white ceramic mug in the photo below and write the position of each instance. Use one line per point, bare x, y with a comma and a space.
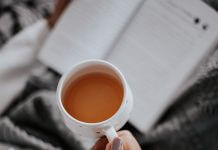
107, 127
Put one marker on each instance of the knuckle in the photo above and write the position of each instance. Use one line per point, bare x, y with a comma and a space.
127, 133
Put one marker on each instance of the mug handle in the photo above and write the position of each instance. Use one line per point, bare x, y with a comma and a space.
110, 133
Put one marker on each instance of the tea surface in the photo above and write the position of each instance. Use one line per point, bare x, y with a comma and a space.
93, 97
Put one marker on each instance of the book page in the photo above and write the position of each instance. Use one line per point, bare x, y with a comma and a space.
158, 51
86, 30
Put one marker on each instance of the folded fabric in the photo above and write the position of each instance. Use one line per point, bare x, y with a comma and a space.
18, 60
36, 123
31, 119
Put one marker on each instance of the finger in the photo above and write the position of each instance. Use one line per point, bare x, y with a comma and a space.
128, 140
108, 146
116, 144
125, 133
100, 144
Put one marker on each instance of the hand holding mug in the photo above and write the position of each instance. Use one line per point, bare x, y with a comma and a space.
124, 141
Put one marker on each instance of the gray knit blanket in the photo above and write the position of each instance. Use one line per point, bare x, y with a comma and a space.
31, 120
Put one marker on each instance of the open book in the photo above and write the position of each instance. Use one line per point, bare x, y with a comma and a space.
156, 44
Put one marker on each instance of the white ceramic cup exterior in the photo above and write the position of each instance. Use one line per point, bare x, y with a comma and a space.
107, 127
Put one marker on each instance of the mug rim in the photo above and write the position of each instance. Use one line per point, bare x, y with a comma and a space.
68, 73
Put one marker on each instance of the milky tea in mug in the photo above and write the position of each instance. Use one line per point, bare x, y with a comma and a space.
93, 97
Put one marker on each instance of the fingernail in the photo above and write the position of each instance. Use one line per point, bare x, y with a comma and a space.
116, 144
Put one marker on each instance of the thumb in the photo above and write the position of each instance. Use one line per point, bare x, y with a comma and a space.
116, 144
